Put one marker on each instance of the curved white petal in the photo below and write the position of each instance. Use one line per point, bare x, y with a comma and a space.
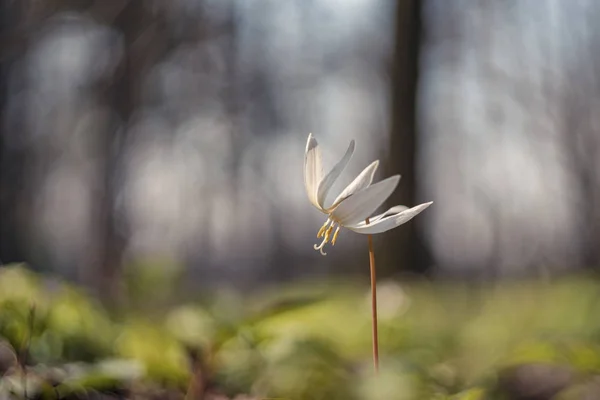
389, 222
327, 182
393, 210
313, 169
361, 204
362, 181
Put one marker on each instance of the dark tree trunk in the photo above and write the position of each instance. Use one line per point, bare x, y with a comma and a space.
17, 22
8, 245
403, 250
144, 42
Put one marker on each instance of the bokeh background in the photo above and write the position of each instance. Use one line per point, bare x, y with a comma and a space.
151, 154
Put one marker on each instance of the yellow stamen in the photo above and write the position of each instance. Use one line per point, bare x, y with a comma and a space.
335, 235
328, 233
323, 229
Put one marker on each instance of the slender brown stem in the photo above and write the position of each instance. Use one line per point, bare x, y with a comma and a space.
373, 302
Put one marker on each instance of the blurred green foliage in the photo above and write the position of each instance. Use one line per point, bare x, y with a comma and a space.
528, 340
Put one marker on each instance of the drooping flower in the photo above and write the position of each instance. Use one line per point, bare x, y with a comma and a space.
356, 202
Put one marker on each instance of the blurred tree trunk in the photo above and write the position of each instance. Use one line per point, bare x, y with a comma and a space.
588, 174
403, 251
18, 22
578, 104
144, 41
580, 146
8, 243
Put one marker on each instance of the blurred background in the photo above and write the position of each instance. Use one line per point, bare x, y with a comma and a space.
136, 130
151, 151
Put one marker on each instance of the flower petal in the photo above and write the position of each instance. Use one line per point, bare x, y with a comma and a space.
361, 204
327, 182
313, 169
362, 181
389, 222
393, 210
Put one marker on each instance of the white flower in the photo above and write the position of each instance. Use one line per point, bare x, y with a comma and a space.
356, 202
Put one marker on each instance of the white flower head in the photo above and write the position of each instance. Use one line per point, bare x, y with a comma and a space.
356, 202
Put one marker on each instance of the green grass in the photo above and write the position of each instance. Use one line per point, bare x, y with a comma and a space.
306, 341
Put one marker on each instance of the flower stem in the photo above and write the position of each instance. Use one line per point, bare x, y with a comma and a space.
373, 302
